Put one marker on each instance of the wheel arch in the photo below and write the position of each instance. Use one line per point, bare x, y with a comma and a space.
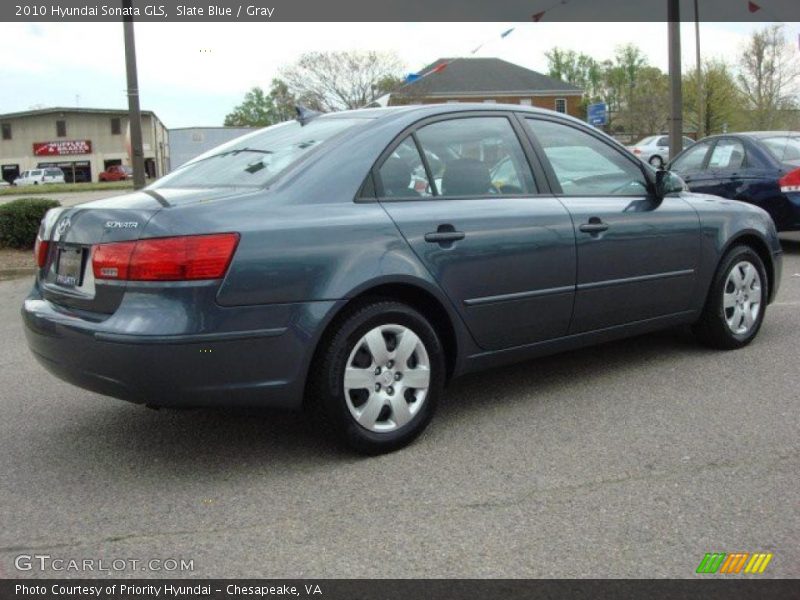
754, 240
420, 295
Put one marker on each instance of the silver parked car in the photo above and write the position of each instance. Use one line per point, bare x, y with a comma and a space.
655, 149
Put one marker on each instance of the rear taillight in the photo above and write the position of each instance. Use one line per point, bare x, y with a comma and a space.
166, 259
637, 151
790, 182
40, 251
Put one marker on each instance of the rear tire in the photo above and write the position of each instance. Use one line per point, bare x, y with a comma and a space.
736, 302
376, 382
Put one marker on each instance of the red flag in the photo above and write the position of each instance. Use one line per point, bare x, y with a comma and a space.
538, 16
753, 7
439, 68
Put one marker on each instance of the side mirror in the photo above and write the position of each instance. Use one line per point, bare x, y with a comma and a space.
668, 182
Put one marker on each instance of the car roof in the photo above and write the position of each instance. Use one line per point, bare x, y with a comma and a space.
442, 108
753, 134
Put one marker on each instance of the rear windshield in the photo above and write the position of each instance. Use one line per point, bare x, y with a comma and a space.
784, 148
256, 158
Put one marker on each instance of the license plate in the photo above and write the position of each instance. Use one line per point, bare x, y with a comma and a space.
70, 267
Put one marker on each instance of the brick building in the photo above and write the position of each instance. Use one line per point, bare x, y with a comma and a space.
489, 80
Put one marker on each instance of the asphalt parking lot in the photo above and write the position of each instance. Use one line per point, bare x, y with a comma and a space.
631, 459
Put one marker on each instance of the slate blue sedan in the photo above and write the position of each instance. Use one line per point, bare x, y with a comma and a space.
762, 168
354, 263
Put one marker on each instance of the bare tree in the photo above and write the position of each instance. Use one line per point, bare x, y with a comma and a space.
768, 76
342, 80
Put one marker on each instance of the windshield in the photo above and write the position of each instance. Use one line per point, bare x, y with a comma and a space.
784, 148
254, 159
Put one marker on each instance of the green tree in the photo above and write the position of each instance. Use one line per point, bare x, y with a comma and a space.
256, 110
723, 100
647, 107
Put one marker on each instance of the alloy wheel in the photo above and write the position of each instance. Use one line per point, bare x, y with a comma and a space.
741, 300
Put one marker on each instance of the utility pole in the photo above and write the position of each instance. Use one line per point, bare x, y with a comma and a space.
134, 113
701, 96
675, 88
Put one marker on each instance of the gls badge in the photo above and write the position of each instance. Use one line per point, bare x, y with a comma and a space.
121, 224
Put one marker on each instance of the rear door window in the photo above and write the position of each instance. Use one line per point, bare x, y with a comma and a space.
727, 155
477, 156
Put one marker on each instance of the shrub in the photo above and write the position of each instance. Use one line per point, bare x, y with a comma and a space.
19, 221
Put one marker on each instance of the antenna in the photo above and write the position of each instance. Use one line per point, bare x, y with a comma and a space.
305, 115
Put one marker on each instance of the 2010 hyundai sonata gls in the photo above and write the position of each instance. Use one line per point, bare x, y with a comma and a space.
355, 262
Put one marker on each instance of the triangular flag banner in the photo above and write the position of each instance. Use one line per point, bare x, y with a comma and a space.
439, 68
476, 49
538, 16
412, 77
753, 7
505, 33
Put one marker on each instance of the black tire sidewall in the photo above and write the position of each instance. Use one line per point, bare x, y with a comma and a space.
331, 388
715, 307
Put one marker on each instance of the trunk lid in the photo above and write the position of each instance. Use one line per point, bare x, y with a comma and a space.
67, 279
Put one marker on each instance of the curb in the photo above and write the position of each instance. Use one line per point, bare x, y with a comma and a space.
6, 274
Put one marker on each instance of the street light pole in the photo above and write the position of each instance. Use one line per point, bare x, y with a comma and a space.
134, 113
675, 87
701, 96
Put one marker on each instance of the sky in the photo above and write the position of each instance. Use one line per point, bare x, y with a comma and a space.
193, 74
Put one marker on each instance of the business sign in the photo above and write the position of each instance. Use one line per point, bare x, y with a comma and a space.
62, 148
597, 114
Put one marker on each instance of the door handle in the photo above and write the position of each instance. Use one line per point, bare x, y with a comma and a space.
444, 234
595, 225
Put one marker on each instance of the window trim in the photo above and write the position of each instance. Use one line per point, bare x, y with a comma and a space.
566, 106
555, 184
537, 173
59, 123
118, 121
7, 127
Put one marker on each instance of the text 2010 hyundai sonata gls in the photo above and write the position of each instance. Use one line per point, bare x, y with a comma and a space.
355, 262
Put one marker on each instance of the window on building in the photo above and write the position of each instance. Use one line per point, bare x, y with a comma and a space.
6, 131
61, 128
490, 101
525, 101
561, 105
116, 126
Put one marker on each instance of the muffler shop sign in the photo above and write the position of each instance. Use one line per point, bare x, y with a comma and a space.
62, 147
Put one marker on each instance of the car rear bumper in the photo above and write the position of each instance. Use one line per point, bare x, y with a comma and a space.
263, 365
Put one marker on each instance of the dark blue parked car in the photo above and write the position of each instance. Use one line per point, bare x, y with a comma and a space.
355, 262
762, 168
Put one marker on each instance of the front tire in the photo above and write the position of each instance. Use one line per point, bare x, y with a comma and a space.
657, 162
736, 302
380, 374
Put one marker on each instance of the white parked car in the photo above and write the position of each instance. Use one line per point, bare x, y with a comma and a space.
37, 176
655, 149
